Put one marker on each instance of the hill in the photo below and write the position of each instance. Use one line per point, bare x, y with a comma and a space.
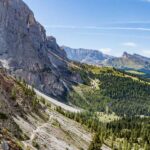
28, 53
111, 90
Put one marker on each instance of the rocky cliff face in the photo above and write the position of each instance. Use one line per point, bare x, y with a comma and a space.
27, 52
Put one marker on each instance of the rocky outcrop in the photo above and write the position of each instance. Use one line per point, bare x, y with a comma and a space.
27, 52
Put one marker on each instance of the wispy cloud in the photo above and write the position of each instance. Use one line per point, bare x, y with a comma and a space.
98, 28
146, 1
62, 27
129, 44
130, 22
106, 50
146, 53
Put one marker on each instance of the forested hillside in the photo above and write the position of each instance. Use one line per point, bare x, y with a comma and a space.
126, 133
111, 90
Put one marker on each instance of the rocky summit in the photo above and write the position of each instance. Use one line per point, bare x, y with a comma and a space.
28, 53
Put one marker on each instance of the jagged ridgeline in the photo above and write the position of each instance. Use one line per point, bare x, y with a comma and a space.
135, 63
110, 90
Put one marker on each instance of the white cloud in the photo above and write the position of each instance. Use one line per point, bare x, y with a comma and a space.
146, 1
146, 53
130, 44
106, 50
97, 28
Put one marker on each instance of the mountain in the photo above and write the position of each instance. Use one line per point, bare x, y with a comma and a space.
128, 61
94, 57
30, 122
111, 103
28, 53
29, 57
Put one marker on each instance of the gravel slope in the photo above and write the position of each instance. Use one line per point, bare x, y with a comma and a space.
57, 103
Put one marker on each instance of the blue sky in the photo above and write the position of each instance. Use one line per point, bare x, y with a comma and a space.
112, 26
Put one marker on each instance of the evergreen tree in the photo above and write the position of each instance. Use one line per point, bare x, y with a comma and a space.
96, 144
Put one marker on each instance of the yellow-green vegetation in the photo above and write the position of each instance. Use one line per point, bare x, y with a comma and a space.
55, 123
13, 94
135, 72
103, 87
113, 99
105, 118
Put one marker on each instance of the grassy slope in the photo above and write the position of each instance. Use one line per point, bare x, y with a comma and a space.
140, 73
112, 89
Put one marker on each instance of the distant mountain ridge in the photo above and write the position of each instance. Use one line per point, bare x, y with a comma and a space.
96, 57
89, 56
128, 61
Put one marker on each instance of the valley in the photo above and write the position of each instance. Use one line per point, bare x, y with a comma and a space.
59, 98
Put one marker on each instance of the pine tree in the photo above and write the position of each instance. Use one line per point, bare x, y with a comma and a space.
96, 144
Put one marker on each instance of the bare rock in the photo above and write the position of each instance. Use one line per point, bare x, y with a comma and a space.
28, 53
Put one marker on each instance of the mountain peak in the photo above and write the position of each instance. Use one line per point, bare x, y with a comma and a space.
28, 53
125, 55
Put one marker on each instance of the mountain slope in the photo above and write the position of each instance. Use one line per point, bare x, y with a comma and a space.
27, 53
16, 100
30, 122
110, 90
